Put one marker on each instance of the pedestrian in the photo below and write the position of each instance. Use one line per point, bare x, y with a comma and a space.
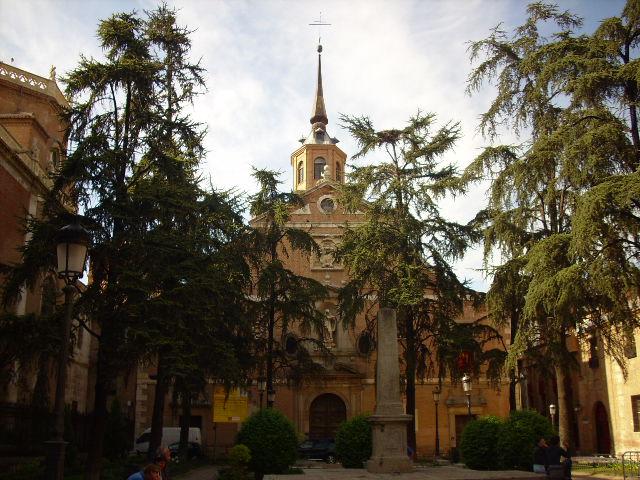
162, 458
554, 454
540, 456
150, 472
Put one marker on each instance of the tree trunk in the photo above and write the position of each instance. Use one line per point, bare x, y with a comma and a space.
410, 375
185, 423
564, 417
157, 417
94, 453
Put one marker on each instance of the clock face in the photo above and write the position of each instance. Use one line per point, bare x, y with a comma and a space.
327, 205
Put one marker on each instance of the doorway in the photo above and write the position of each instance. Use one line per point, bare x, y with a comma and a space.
326, 413
603, 435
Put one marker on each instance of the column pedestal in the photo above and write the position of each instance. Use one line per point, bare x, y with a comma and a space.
389, 422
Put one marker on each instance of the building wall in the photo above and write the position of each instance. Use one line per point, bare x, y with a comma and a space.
32, 143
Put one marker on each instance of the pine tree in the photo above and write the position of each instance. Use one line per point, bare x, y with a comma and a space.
556, 95
401, 255
282, 298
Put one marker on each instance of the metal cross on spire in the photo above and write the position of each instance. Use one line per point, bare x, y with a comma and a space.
318, 23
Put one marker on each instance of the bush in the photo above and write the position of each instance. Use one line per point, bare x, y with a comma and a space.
518, 437
239, 457
479, 444
272, 441
353, 442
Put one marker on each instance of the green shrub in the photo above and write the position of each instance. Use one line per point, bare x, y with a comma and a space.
239, 455
479, 444
353, 442
272, 440
518, 437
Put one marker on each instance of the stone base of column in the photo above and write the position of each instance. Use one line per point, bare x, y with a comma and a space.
389, 449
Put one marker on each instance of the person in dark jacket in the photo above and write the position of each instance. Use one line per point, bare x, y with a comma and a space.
554, 454
540, 456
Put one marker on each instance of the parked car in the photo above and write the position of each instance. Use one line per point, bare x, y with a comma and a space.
194, 450
169, 435
321, 449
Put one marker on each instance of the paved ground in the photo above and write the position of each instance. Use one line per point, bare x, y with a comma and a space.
322, 471
203, 473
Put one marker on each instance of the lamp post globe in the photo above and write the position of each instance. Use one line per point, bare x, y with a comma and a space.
71, 248
72, 244
466, 386
262, 386
436, 399
552, 412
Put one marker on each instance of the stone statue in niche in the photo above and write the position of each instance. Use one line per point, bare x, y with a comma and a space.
330, 327
326, 172
326, 254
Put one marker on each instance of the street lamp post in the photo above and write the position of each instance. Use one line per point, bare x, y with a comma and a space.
524, 392
271, 398
552, 412
436, 400
72, 245
262, 386
466, 386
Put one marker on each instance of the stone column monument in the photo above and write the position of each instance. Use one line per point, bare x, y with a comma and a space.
389, 421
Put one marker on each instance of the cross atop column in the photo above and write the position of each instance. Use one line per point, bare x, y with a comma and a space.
318, 23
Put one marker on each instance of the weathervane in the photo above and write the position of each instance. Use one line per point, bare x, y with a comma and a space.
318, 23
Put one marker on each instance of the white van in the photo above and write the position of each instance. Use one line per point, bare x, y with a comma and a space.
169, 435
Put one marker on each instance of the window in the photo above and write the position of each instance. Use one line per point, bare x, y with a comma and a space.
594, 362
338, 172
318, 167
630, 346
300, 172
327, 205
55, 158
635, 412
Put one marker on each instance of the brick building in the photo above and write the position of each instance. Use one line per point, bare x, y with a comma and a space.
32, 144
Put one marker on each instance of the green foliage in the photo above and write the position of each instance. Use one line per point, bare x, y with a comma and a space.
562, 210
353, 441
272, 440
283, 298
401, 255
479, 443
518, 436
239, 457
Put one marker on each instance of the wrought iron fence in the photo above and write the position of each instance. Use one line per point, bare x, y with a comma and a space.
631, 464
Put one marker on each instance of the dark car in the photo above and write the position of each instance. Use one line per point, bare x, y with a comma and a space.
194, 450
322, 449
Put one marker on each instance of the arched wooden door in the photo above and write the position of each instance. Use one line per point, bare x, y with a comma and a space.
603, 435
326, 413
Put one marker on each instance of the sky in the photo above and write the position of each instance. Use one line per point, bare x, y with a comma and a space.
384, 59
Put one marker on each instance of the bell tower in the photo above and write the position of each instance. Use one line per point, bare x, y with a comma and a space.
319, 157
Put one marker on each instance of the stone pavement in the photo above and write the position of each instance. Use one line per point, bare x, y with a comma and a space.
210, 472
447, 472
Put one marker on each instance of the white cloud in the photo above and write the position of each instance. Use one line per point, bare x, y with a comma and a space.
384, 59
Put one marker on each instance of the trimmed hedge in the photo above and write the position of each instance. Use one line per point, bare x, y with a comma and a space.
353, 442
493, 443
518, 436
272, 441
479, 444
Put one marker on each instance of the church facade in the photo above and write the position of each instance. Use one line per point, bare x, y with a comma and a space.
346, 386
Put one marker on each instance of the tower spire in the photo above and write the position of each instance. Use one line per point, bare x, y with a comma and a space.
319, 118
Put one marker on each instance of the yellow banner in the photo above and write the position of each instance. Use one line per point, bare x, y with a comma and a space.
231, 409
